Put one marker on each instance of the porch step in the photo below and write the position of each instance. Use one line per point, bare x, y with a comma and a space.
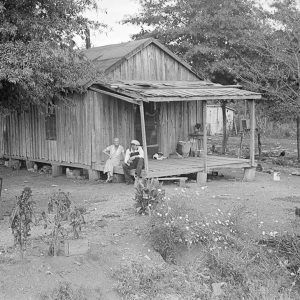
182, 180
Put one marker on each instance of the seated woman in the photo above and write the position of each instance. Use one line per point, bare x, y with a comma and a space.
114, 152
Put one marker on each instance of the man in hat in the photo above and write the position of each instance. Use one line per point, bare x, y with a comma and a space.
134, 159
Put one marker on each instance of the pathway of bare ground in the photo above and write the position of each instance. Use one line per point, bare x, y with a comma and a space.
115, 231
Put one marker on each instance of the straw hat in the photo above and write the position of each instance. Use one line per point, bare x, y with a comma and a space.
135, 142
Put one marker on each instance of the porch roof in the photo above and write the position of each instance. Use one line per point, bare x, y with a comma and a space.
166, 91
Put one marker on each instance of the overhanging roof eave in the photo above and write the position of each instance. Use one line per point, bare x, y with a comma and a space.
202, 98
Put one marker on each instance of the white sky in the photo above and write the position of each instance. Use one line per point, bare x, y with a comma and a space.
116, 10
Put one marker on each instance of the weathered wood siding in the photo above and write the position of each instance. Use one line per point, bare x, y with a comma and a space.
83, 129
177, 120
152, 63
87, 126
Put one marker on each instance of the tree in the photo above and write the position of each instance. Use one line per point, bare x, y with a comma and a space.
207, 33
276, 71
38, 60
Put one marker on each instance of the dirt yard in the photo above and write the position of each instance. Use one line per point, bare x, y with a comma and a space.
115, 231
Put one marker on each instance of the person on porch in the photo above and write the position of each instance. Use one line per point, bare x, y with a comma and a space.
115, 153
134, 159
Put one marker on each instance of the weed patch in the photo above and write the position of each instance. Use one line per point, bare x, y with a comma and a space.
227, 262
148, 194
65, 292
139, 281
174, 226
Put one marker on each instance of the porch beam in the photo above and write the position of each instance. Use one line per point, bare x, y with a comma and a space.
199, 98
141, 105
130, 100
252, 132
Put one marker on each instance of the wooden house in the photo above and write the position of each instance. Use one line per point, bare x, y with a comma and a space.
151, 95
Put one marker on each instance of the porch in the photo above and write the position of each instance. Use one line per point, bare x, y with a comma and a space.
183, 166
168, 113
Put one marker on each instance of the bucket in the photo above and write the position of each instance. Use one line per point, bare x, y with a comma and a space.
184, 148
276, 176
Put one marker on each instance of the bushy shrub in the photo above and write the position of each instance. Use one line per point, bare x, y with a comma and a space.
148, 193
174, 226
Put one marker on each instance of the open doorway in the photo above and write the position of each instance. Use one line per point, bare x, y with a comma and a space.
151, 111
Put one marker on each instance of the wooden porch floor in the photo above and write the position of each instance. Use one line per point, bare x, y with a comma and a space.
173, 166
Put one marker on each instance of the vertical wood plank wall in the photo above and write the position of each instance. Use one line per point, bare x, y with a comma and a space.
152, 63
84, 129
177, 120
87, 126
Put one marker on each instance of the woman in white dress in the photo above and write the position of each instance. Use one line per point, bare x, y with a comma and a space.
115, 153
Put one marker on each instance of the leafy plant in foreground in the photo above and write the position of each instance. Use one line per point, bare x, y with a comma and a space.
64, 216
22, 217
148, 193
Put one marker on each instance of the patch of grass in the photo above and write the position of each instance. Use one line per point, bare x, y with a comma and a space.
7, 260
65, 291
140, 281
242, 279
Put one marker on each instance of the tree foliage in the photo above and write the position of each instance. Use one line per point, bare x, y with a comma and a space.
204, 32
276, 70
38, 60
209, 34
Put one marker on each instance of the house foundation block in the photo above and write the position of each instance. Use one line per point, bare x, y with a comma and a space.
57, 170
93, 174
249, 173
29, 164
118, 178
201, 177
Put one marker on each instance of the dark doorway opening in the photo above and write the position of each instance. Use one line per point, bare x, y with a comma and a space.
151, 111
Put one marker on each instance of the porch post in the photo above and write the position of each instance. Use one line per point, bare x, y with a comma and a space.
204, 117
141, 105
252, 132
202, 176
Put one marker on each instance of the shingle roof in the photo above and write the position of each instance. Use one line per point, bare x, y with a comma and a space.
108, 57
113, 52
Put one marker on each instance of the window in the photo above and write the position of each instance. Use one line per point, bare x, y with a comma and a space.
50, 123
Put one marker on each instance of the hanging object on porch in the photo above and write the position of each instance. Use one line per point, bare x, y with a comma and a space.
245, 124
198, 128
